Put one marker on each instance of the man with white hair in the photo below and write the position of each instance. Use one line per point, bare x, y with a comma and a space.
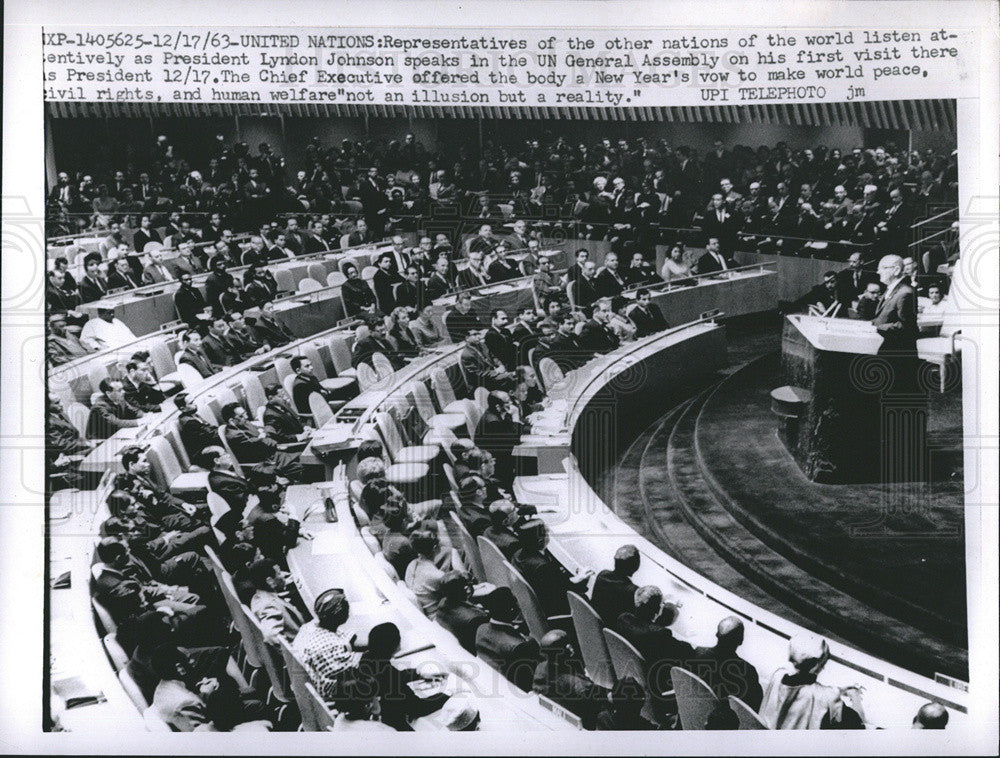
896, 317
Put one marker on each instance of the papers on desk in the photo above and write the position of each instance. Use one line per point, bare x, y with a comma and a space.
549, 422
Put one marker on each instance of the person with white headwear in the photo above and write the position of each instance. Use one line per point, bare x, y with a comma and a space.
794, 699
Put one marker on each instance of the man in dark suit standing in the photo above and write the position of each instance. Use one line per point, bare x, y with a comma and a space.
646, 315
852, 281
373, 202
718, 222
384, 281
713, 260
896, 318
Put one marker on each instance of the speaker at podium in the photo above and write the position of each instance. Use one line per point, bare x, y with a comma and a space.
851, 411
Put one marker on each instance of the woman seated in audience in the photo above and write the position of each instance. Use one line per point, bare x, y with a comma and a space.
422, 575
326, 652
794, 699
426, 333
674, 267
399, 703
624, 713
398, 332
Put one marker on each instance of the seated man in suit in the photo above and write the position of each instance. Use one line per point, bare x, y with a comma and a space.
647, 628
439, 283
868, 301
646, 315
281, 421
722, 668
361, 235
502, 644
306, 383
140, 387
560, 677
226, 480
713, 260
411, 292
481, 369
268, 329
252, 445
852, 281
639, 271
462, 319
499, 340
122, 277
216, 345
456, 614
62, 346
502, 268
584, 287
188, 300
194, 355
547, 577
821, 296
609, 283
373, 339
596, 336
504, 518
476, 274
565, 348
497, 433
241, 338
111, 411
270, 604
614, 590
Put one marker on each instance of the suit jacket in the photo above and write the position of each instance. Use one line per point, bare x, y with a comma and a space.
597, 338
475, 518
61, 436
547, 578
567, 352
92, 289
383, 284
106, 418
141, 237
608, 284
153, 275
463, 620
411, 295
278, 617
142, 395
313, 244
500, 271
850, 286
478, 365
468, 279
459, 325
189, 303
613, 595
728, 674
235, 490
59, 300
647, 321
364, 350
196, 434
707, 264
200, 363
896, 320
437, 286
247, 445
501, 346
724, 230
509, 652
273, 332
504, 539
118, 281
218, 350
302, 388
281, 422
585, 292
656, 642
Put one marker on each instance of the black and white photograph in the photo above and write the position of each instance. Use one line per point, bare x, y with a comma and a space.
535, 421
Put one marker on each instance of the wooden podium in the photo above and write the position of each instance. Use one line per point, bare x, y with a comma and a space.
850, 425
